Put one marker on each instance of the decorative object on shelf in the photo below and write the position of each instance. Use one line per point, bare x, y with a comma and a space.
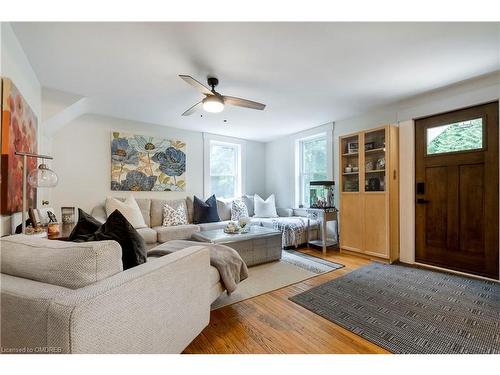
369, 146
321, 194
348, 169
352, 147
34, 217
373, 184
244, 222
52, 229
68, 215
381, 164
350, 186
369, 165
37, 231
19, 132
355, 169
232, 228
39, 177
145, 163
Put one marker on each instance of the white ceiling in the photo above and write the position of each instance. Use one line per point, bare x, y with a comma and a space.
307, 73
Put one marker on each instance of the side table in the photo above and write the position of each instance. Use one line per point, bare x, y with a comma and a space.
324, 215
64, 232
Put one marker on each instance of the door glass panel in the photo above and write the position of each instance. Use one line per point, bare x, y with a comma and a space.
350, 164
375, 160
455, 137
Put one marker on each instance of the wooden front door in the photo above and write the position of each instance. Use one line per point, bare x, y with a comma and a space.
456, 175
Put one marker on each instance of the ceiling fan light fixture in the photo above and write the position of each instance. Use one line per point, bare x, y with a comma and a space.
213, 104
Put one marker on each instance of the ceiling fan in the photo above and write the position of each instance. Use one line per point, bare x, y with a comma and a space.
213, 101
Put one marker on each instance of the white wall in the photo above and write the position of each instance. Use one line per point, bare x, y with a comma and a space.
82, 157
15, 65
280, 164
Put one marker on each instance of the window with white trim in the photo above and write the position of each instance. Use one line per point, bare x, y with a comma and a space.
225, 169
313, 164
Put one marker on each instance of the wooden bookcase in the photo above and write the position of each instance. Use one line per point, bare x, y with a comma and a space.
369, 193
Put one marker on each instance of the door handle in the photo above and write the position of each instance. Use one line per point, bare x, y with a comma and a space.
422, 201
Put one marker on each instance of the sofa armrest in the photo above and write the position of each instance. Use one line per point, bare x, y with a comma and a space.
157, 307
300, 212
284, 212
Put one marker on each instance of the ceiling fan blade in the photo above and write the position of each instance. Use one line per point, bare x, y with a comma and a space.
243, 103
193, 109
197, 85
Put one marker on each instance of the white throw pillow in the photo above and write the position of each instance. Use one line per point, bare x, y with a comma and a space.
238, 210
174, 216
265, 208
130, 209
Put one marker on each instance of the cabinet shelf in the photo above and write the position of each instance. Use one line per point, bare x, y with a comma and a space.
374, 150
351, 154
349, 173
376, 171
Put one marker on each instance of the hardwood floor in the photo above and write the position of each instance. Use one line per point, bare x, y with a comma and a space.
270, 323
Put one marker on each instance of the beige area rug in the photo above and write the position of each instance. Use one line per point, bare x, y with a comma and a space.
294, 267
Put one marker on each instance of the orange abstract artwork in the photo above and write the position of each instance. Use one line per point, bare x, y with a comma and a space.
19, 133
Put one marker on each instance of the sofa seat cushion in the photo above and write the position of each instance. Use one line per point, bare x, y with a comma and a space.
212, 226
149, 235
178, 232
177, 245
68, 264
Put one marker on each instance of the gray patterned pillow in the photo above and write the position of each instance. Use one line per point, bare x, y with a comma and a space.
238, 210
174, 216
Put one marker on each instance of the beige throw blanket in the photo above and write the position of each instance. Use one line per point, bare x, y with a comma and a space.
232, 269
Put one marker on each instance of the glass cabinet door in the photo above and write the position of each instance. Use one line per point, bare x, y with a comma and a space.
350, 164
375, 160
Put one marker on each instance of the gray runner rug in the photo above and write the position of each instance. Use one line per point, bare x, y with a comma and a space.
411, 310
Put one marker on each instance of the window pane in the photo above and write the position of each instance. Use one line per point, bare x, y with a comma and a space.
314, 156
223, 186
222, 160
459, 136
314, 165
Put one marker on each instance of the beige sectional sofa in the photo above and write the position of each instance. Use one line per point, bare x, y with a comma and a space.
152, 211
65, 297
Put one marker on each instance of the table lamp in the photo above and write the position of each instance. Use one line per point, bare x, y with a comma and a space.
39, 177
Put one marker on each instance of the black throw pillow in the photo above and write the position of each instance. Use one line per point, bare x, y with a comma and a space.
85, 225
118, 228
205, 212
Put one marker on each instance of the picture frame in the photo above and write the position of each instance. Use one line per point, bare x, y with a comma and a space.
47, 215
34, 217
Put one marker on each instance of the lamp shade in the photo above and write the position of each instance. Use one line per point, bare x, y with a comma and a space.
213, 104
42, 177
